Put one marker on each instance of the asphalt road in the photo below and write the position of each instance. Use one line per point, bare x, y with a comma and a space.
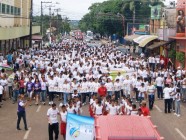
168, 125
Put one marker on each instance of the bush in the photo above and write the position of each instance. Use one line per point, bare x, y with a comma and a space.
180, 56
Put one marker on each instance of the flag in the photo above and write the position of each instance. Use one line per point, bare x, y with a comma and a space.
80, 127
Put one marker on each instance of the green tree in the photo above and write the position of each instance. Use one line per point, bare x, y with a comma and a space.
102, 17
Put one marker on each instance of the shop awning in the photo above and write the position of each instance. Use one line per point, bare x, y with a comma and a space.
36, 37
178, 38
156, 45
144, 40
131, 37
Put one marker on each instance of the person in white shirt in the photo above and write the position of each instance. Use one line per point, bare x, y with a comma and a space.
51, 86
1, 94
167, 98
43, 89
151, 94
110, 86
142, 92
177, 103
53, 125
112, 108
159, 83
63, 114
98, 110
117, 89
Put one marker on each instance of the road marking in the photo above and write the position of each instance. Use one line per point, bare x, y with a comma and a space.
39, 108
180, 133
158, 108
27, 134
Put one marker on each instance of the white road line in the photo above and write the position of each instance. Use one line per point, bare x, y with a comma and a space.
27, 134
180, 133
158, 108
39, 108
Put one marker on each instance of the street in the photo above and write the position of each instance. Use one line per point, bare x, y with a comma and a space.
168, 125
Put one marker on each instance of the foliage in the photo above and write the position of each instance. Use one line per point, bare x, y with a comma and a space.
102, 17
180, 56
172, 54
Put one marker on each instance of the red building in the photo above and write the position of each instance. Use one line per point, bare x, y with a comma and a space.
180, 30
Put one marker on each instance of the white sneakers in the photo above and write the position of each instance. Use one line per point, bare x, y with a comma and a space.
50, 103
178, 115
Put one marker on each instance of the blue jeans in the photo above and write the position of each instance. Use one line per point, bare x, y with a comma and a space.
109, 93
160, 92
65, 97
43, 95
177, 105
15, 95
151, 100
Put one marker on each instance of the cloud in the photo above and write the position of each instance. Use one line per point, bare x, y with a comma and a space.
74, 9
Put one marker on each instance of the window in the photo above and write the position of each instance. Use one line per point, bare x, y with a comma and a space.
19, 11
7, 9
12, 10
0, 8
3, 8
15, 10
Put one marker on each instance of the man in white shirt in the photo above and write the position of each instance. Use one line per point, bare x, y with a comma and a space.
159, 83
1, 94
53, 124
167, 98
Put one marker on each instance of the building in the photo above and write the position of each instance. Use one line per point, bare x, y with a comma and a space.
180, 36
15, 24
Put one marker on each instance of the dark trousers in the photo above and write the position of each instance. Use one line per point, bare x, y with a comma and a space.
160, 92
151, 101
172, 104
53, 128
167, 105
21, 90
51, 96
10, 91
21, 114
117, 95
137, 92
1, 98
84, 95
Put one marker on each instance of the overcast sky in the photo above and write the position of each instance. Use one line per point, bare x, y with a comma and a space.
73, 9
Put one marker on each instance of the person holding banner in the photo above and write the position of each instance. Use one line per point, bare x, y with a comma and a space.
53, 125
63, 113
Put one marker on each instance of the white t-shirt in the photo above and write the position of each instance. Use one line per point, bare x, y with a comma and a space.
98, 110
1, 90
64, 116
159, 81
166, 92
112, 110
52, 114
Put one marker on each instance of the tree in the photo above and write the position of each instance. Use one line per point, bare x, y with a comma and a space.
103, 18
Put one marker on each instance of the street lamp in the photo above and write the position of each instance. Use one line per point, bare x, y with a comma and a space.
123, 21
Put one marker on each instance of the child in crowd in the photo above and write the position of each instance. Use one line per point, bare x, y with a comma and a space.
177, 102
63, 114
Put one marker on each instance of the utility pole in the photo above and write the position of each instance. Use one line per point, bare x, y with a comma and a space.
31, 11
42, 16
57, 10
50, 38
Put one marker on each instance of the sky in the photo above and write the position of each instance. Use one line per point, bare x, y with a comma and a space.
73, 9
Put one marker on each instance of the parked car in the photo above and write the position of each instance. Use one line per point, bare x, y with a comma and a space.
97, 36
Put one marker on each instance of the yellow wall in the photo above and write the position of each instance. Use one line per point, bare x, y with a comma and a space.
9, 21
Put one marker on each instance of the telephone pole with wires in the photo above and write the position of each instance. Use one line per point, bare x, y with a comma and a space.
31, 14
